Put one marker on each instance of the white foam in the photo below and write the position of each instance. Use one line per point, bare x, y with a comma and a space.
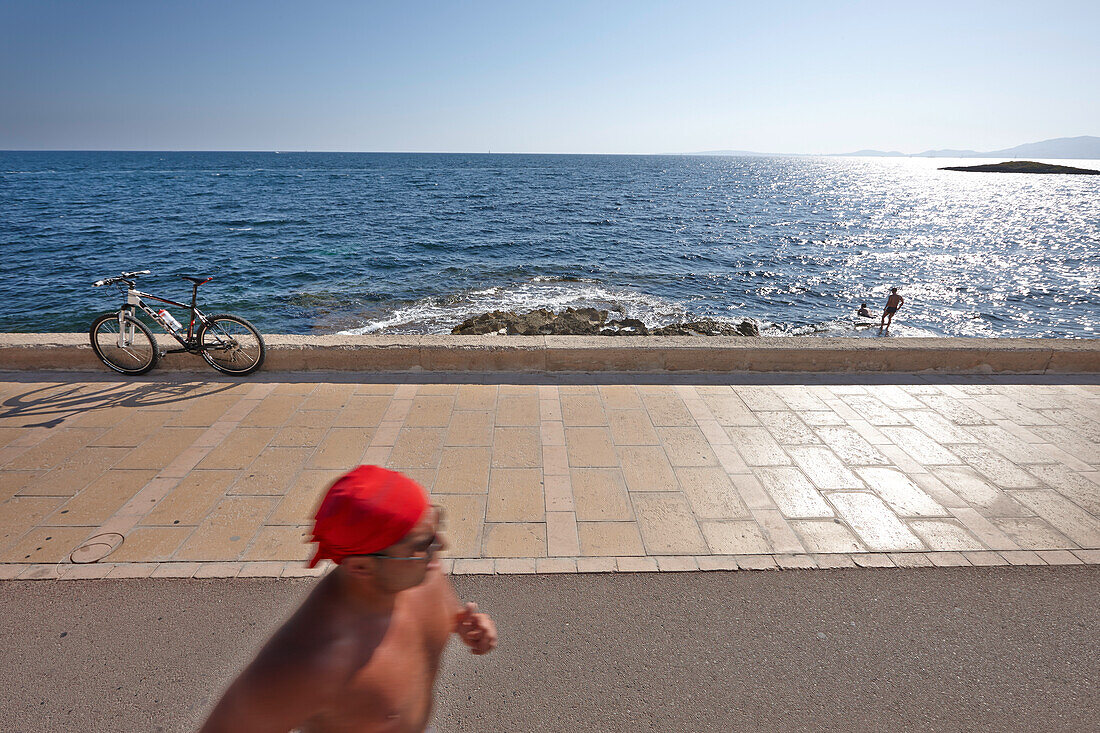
440, 315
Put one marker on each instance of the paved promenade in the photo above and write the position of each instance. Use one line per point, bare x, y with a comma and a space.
178, 477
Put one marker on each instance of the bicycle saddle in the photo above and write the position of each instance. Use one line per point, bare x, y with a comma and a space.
197, 280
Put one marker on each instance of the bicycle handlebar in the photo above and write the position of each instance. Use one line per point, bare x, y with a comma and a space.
123, 276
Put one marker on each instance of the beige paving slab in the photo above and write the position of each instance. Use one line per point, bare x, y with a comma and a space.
631, 427
362, 411
463, 470
667, 524
523, 539
192, 498
899, 491
850, 446
826, 536
517, 447
595, 476
272, 473
98, 501
686, 446
792, 493
416, 448
515, 495
430, 411
600, 494
875, 525
823, 468
224, 534
967, 483
44, 545
610, 539
590, 447
647, 468
757, 446
1062, 514
465, 518
470, 428
711, 493
788, 428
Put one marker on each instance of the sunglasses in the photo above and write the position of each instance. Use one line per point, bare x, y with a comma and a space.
424, 550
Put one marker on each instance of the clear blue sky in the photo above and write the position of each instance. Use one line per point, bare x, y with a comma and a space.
601, 76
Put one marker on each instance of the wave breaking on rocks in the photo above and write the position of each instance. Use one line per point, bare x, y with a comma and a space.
591, 322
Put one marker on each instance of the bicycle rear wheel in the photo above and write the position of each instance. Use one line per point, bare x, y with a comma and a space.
134, 353
231, 344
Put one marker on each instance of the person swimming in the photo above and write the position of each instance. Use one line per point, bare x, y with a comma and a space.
864, 312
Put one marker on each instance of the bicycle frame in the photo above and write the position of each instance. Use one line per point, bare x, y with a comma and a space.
134, 301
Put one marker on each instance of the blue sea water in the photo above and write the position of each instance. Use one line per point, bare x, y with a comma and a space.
414, 243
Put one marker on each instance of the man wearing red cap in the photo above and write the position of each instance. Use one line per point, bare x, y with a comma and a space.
362, 652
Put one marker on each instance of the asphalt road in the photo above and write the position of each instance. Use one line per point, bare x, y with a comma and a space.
993, 649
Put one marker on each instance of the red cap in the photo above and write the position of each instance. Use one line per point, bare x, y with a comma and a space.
366, 510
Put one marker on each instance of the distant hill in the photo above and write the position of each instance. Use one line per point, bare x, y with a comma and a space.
729, 152
1084, 146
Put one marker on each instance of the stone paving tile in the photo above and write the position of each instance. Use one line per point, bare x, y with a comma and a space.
465, 517
600, 494
280, 543
824, 469
44, 545
1065, 516
788, 429
647, 468
1082, 489
922, 448
826, 536
850, 446
730, 410
877, 527
470, 428
414, 448
609, 539
667, 524
945, 535
98, 501
74, 473
272, 473
979, 492
711, 493
463, 470
225, 532
899, 491
631, 427
192, 498
736, 538
997, 468
240, 449
515, 495
793, 493
687, 446
758, 447
155, 544
620, 397
517, 447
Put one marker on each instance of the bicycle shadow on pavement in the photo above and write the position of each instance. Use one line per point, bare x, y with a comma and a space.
56, 403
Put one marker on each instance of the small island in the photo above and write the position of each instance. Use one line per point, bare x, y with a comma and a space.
1022, 166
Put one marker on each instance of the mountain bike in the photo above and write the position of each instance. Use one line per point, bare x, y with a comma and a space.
228, 343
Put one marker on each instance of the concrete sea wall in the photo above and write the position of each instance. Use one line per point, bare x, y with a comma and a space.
286, 353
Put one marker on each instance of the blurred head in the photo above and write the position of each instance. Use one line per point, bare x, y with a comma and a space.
893, 290
405, 563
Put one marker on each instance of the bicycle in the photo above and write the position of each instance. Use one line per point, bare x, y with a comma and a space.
124, 343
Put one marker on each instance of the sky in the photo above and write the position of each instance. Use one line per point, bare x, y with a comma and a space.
553, 77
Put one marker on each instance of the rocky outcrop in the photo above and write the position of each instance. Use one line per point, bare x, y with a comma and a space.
1023, 166
590, 322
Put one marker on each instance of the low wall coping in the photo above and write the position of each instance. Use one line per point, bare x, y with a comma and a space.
71, 352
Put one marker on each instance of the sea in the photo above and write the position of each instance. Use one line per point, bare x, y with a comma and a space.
373, 243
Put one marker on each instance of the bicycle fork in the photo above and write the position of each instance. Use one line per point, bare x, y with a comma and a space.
126, 326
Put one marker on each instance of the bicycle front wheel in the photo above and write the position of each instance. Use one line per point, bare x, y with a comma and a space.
130, 349
231, 344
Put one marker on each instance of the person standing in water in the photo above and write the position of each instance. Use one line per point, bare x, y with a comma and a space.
893, 303
362, 652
